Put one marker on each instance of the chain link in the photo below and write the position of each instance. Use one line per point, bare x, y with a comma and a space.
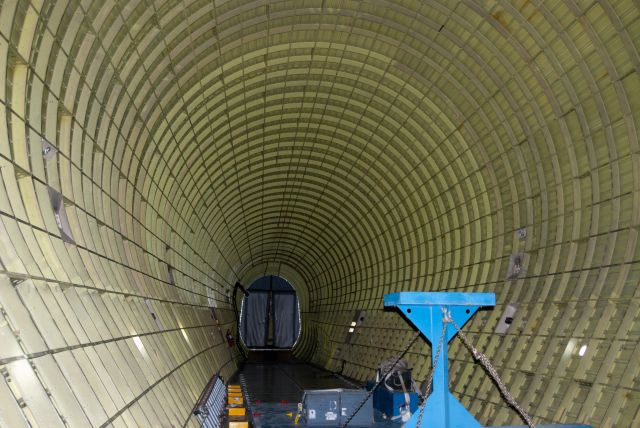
486, 364
445, 321
382, 378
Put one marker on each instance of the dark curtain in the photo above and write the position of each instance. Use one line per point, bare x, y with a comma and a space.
285, 313
254, 319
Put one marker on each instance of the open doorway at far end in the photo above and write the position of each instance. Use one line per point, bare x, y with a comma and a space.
270, 315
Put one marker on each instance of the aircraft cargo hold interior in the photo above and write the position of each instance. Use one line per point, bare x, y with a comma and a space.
273, 213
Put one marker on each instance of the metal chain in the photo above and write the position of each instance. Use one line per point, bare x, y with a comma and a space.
382, 378
445, 321
486, 364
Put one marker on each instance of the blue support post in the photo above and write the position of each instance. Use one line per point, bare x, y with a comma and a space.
425, 311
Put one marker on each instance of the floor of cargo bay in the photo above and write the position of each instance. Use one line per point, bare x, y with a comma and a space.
274, 389
285, 382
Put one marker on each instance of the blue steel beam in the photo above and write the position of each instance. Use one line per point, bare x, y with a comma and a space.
426, 311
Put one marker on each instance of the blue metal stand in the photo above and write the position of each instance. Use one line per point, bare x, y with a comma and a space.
425, 311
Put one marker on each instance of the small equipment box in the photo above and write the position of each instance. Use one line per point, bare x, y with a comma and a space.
332, 407
393, 404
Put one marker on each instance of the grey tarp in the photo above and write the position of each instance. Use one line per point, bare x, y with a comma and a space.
255, 319
285, 319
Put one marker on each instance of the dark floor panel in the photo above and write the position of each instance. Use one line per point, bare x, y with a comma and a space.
275, 382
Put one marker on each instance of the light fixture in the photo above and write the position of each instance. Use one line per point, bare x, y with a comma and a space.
583, 350
353, 323
351, 330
